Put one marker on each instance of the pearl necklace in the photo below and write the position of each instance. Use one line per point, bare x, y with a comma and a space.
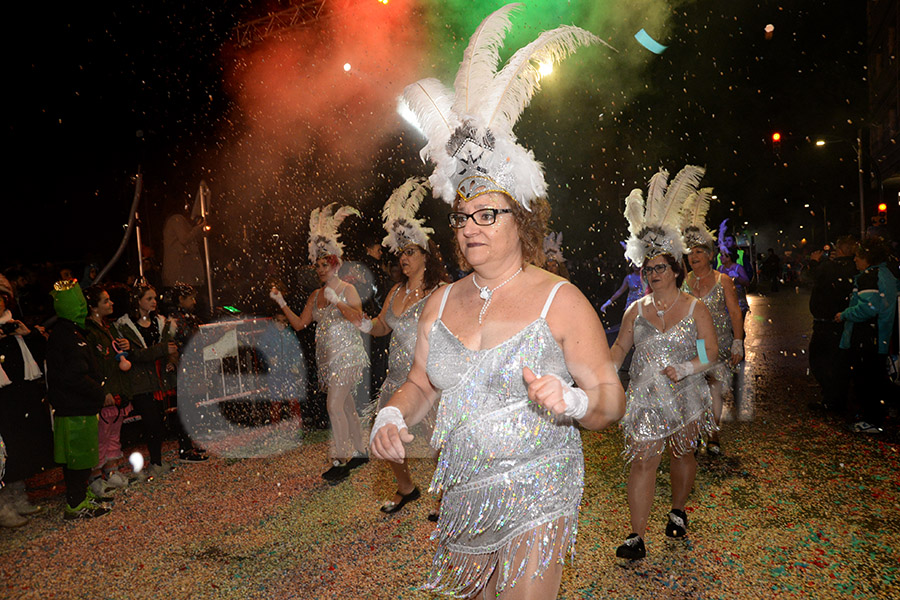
486, 294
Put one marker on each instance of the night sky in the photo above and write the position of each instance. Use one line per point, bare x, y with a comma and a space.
279, 128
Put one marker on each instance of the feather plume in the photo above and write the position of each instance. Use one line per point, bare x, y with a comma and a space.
430, 102
695, 208
723, 229
479, 63
655, 193
634, 211
684, 184
342, 213
514, 86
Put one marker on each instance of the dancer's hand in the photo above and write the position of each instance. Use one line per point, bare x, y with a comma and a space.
389, 434
364, 325
737, 351
678, 372
276, 295
604, 306
331, 296
554, 394
123, 344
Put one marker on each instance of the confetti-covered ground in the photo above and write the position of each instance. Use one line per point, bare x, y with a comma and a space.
796, 508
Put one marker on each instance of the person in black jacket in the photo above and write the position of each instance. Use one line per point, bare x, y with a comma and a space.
76, 393
832, 286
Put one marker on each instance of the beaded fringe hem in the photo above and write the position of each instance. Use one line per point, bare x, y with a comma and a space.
682, 440
463, 575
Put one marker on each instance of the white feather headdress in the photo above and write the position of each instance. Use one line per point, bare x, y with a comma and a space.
553, 247
693, 221
323, 230
655, 228
470, 128
399, 214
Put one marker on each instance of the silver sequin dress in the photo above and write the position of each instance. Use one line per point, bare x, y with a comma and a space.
511, 473
657, 410
404, 331
715, 302
402, 347
340, 355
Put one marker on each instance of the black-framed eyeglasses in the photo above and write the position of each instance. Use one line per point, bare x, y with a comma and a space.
658, 269
409, 251
483, 217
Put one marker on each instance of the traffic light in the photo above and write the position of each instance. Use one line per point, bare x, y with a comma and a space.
881, 219
776, 141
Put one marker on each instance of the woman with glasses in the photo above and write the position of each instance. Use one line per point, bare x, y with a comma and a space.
667, 404
674, 340
505, 346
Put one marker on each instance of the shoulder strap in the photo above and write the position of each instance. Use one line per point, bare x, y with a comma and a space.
444, 301
546, 308
691, 309
640, 303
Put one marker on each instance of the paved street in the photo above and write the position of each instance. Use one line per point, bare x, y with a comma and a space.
797, 507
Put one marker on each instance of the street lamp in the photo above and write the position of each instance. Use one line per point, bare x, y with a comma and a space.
859, 164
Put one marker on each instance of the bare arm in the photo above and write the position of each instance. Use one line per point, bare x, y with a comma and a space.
734, 312
379, 324
353, 305
706, 331
580, 334
741, 277
305, 318
625, 340
415, 397
613, 298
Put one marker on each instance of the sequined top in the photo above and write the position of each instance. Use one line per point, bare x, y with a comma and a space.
340, 355
402, 346
657, 410
511, 472
715, 302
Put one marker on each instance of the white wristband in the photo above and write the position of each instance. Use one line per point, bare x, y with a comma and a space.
575, 398
737, 347
278, 298
389, 415
365, 326
684, 369
331, 296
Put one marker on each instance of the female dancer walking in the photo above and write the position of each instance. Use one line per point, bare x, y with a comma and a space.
668, 401
340, 354
504, 346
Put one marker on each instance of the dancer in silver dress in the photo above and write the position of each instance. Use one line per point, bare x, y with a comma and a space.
504, 346
423, 271
716, 290
668, 401
340, 354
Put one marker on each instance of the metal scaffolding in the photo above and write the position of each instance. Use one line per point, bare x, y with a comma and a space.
301, 15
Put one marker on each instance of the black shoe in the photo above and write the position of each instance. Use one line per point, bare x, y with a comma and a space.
192, 456
632, 549
677, 525
337, 473
358, 461
390, 507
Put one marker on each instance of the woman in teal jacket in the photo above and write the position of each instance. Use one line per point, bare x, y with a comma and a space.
868, 325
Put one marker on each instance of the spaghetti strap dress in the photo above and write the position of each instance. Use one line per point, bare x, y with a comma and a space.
511, 472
